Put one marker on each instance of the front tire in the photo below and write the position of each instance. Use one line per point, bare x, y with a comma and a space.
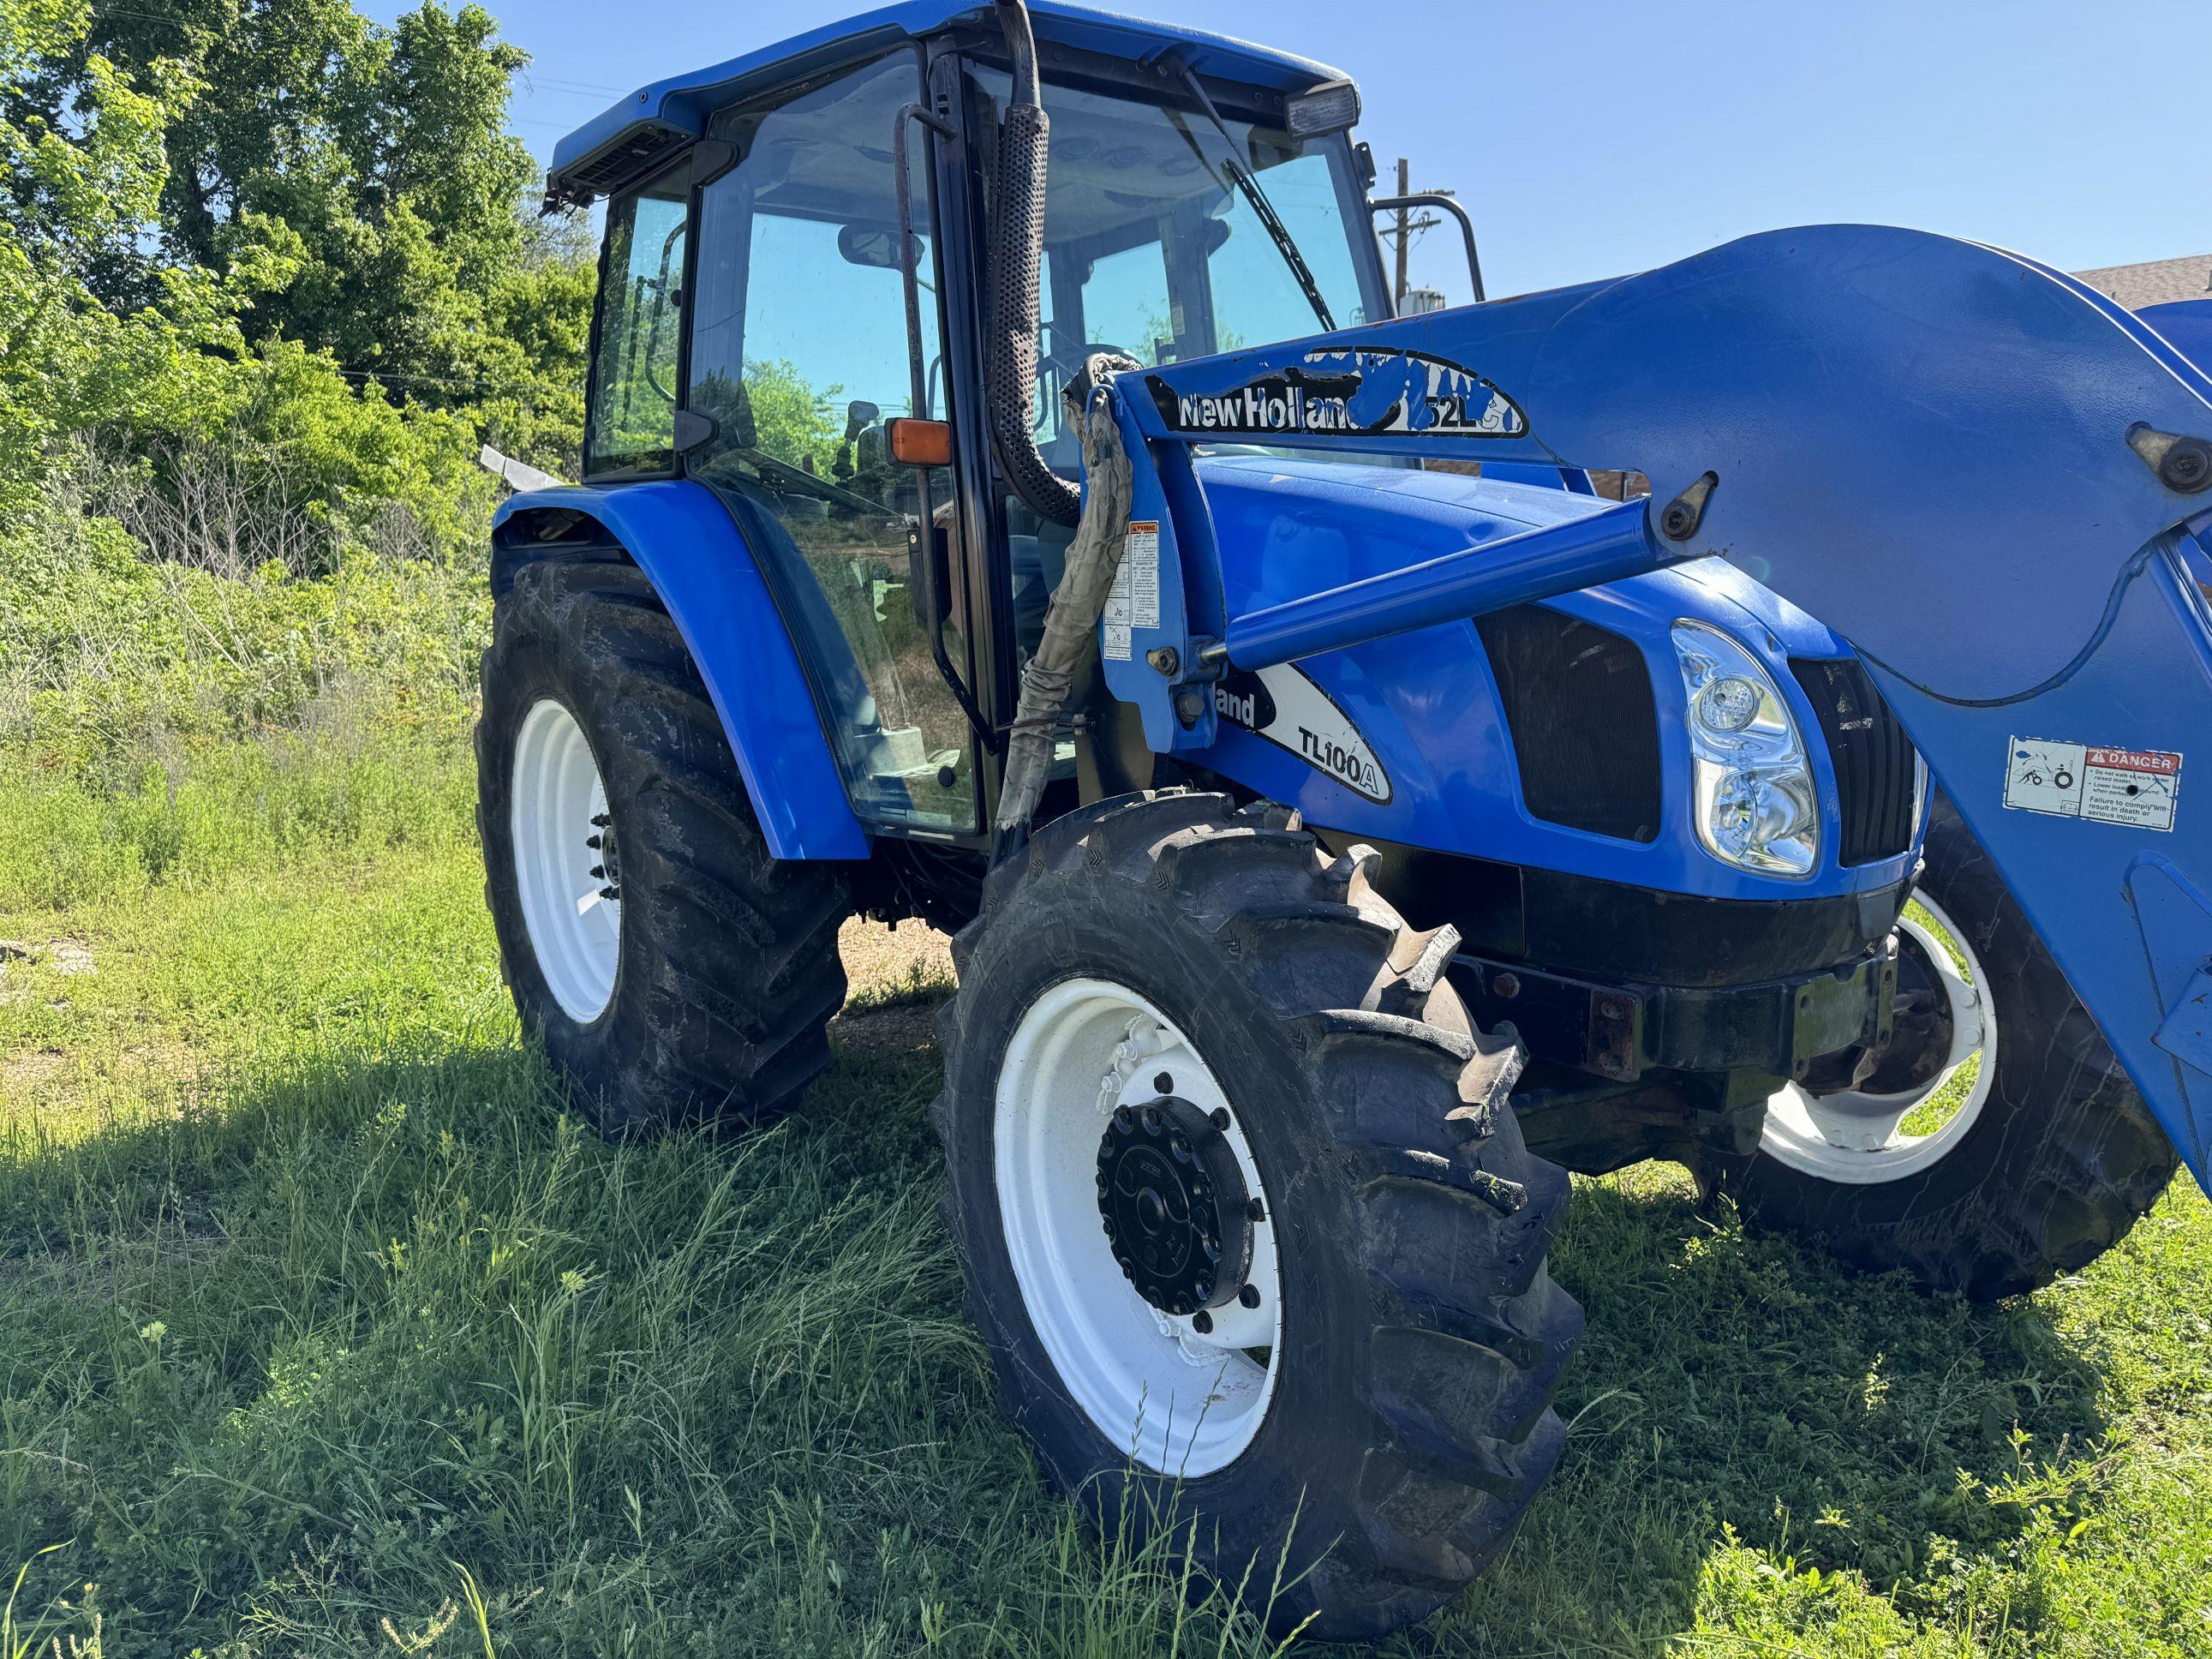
674, 971
2050, 1156
1379, 1402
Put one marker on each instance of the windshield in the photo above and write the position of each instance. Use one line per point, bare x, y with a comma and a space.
1151, 249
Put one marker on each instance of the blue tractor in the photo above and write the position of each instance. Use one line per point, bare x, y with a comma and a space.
1011, 503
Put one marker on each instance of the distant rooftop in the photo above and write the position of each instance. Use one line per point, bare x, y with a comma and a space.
2157, 282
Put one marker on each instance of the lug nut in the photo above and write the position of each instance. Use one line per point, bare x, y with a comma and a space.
1163, 1083
1201, 1322
598, 873
592, 842
1219, 1117
600, 821
1249, 1296
1254, 1209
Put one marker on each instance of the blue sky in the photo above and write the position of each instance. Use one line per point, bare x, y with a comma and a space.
1592, 139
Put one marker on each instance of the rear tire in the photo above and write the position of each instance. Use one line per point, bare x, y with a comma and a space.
2060, 1160
1396, 1421
708, 998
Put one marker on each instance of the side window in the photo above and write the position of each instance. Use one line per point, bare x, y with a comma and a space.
799, 354
633, 417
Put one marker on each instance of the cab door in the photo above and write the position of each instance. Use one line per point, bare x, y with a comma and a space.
797, 359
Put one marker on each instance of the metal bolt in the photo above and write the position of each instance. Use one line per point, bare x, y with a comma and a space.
1165, 660
1163, 1083
600, 821
2186, 466
1219, 1117
592, 842
1254, 1209
1189, 706
1201, 1322
1249, 1296
1506, 985
598, 873
1679, 520
610, 892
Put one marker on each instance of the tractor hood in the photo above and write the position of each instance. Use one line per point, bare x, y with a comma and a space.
1411, 738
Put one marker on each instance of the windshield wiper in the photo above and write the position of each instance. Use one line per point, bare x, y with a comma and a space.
1262, 208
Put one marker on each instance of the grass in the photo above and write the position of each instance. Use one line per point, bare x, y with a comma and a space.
324, 1328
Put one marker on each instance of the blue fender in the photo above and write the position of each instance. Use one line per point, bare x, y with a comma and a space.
683, 538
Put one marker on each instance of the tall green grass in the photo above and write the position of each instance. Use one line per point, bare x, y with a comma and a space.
331, 1330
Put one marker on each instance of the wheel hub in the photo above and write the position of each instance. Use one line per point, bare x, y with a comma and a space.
1174, 1204
600, 843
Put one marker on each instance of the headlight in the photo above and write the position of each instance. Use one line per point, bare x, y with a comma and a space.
1755, 804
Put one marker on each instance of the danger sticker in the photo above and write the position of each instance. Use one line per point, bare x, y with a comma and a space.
2138, 787
1133, 600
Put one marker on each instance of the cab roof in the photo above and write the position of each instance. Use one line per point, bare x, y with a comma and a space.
625, 140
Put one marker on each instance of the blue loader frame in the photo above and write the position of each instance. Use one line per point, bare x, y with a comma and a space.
1978, 471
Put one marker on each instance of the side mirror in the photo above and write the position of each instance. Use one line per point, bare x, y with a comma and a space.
875, 248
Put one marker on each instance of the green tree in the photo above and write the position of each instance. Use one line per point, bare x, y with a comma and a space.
80, 191
354, 185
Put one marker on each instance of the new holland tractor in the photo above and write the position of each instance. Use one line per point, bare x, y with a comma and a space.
1011, 503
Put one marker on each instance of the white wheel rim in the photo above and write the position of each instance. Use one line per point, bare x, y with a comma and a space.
1177, 1401
576, 931
1857, 1139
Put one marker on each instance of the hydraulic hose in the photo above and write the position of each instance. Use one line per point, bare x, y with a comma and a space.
1017, 268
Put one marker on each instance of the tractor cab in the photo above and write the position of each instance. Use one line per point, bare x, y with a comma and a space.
794, 268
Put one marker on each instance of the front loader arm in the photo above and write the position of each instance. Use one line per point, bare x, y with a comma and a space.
1976, 469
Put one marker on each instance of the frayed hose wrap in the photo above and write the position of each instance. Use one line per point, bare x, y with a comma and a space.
1071, 622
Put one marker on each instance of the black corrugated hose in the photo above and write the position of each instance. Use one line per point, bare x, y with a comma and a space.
1016, 256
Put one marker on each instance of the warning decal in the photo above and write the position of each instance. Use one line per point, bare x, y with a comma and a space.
2134, 787
1133, 600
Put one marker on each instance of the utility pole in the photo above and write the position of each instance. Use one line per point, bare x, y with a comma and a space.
1405, 236
1407, 228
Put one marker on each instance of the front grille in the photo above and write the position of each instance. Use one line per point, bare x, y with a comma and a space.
1873, 759
1585, 726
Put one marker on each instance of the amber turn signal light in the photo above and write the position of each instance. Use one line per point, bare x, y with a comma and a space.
919, 443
